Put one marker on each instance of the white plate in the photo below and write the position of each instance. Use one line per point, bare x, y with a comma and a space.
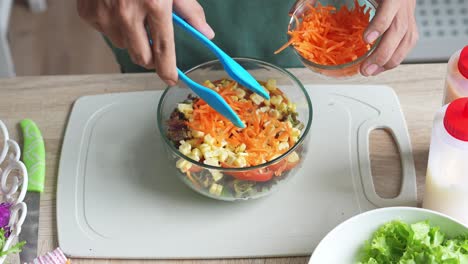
343, 243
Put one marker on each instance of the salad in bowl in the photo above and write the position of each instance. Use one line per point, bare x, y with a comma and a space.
222, 161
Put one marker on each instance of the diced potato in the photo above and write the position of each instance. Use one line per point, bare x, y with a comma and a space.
271, 85
293, 157
240, 162
197, 134
183, 165
242, 147
264, 109
274, 113
216, 189
267, 102
204, 148
211, 161
209, 140
257, 99
186, 109
231, 159
283, 146
185, 148
223, 155
209, 84
196, 152
276, 100
210, 154
217, 175
240, 93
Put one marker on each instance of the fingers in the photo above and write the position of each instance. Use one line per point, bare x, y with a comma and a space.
99, 15
383, 19
131, 17
162, 34
192, 12
408, 42
397, 41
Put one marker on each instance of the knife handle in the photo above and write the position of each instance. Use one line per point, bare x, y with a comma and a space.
33, 155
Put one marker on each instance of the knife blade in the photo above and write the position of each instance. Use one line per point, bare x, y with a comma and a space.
34, 160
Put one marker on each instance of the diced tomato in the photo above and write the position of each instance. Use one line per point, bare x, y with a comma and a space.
195, 168
258, 175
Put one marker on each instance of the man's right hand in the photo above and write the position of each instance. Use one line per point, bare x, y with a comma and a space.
124, 22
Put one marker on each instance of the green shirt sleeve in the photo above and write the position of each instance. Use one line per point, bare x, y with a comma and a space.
244, 28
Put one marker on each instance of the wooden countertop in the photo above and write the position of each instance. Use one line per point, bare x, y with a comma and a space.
48, 101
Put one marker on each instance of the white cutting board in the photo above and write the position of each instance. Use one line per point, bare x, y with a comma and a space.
117, 197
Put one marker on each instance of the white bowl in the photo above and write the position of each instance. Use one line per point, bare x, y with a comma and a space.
343, 243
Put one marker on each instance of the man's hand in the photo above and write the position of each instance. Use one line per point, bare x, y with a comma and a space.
125, 22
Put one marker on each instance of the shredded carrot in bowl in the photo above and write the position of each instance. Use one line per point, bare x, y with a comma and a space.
327, 36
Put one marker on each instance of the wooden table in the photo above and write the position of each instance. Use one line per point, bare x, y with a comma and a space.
48, 101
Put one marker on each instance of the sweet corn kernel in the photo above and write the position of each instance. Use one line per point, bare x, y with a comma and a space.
293, 157
234, 98
264, 109
257, 99
197, 134
209, 154
283, 146
271, 85
276, 100
267, 102
196, 152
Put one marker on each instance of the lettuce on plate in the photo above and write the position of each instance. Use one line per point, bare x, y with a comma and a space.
419, 243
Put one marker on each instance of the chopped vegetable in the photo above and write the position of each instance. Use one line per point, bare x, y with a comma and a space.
327, 36
419, 243
203, 135
5, 214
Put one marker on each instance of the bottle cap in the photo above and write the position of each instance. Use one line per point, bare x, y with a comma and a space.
456, 119
463, 62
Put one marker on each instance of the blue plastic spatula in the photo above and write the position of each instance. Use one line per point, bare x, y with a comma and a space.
237, 72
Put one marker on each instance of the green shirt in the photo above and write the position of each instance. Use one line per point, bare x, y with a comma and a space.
243, 28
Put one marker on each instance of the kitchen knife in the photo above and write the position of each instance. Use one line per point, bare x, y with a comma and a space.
34, 160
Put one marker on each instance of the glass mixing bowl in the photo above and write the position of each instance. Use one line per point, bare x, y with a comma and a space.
342, 71
207, 179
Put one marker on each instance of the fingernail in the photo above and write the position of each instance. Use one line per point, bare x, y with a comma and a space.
371, 37
378, 71
371, 69
207, 31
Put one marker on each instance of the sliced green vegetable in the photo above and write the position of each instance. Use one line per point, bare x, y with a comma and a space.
419, 243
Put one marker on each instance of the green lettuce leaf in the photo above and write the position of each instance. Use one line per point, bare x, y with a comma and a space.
399, 243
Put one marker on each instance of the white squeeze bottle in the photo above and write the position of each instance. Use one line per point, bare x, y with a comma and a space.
447, 171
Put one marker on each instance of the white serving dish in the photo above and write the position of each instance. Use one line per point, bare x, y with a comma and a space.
342, 244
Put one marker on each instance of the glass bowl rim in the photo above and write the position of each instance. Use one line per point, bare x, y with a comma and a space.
373, 3
241, 169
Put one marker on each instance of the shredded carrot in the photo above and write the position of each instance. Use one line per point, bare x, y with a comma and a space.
327, 36
263, 132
